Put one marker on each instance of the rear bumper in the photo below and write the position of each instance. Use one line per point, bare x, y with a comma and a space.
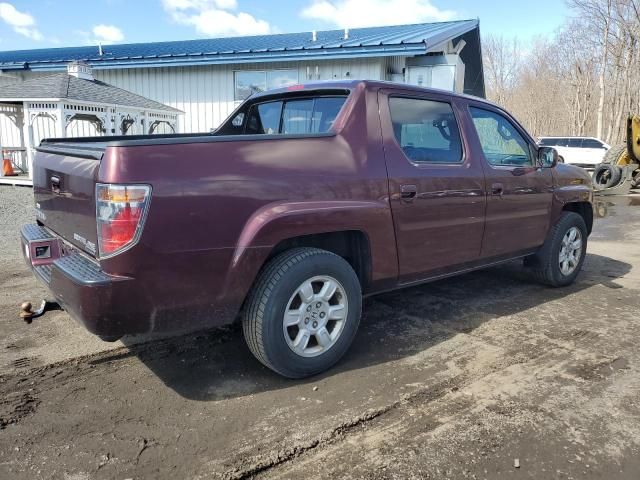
105, 304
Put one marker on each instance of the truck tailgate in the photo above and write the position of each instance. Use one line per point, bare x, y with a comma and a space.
64, 178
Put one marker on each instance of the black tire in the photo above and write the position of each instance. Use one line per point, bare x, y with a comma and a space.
614, 153
263, 315
546, 264
560, 159
635, 182
606, 176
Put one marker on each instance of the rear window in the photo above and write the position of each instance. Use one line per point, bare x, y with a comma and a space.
264, 118
294, 117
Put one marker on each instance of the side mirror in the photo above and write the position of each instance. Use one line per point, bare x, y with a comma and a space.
547, 157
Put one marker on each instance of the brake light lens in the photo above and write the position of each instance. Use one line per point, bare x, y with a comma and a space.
120, 212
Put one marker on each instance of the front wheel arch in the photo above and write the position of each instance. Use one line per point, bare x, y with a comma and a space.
584, 209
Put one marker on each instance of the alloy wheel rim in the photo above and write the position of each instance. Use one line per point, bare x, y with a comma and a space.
570, 251
315, 316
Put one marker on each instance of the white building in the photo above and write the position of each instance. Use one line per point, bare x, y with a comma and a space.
207, 78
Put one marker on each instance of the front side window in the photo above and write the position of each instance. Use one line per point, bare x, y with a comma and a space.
426, 130
501, 142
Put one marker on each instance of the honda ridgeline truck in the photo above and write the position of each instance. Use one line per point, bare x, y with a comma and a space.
303, 201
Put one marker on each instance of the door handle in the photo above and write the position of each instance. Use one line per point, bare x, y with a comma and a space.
55, 184
497, 189
408, 192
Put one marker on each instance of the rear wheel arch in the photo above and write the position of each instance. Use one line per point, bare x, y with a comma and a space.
352, 245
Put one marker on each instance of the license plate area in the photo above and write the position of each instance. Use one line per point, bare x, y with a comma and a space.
43, 252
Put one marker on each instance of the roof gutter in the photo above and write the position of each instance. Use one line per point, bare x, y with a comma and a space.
230, 58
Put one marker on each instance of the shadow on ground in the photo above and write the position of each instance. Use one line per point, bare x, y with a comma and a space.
216, 364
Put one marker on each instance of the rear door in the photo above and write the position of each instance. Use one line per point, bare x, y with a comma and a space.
520, 193
437, 191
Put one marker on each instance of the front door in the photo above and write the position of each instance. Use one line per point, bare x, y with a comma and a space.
519, 191
437, 191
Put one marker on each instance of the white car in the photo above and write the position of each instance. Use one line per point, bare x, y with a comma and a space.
585, 152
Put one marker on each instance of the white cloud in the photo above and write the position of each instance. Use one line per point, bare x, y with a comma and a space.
214, 18
200, 4
22, 23
368, 13
107, 34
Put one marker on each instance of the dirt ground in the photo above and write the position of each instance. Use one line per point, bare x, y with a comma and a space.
487, 375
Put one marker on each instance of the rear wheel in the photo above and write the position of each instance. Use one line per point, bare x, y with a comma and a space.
303, 312
560, 259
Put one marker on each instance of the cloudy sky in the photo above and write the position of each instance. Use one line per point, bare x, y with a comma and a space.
26, 24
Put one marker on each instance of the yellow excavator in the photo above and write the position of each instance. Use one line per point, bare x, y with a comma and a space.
619, 171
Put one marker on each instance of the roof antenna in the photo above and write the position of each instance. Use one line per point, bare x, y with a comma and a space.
100, 52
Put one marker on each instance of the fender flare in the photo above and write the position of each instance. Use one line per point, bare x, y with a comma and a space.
276, 222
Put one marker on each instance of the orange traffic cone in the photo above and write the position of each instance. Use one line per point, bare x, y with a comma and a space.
7, 168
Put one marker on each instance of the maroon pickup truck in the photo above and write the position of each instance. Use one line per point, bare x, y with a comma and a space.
303, 201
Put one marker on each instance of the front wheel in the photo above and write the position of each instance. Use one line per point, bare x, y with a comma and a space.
560, 259
303, 312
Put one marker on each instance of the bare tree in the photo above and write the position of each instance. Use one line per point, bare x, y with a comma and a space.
582, 81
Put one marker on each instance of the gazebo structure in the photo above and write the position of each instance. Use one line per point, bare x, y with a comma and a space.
71, 104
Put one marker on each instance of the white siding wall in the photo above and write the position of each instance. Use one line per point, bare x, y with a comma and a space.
394, 65
206, 94
9, 134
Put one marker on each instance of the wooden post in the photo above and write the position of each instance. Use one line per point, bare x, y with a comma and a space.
61, 122
26, 137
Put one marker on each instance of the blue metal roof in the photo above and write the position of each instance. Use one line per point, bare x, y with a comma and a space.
362, 42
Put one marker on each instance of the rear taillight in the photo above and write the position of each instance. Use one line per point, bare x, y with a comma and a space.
120, 213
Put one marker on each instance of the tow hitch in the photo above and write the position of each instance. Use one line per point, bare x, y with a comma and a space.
46, 306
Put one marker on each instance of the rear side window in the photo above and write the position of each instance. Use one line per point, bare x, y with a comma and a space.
294, 117
592, 143
575, 143
549, 142
426, 130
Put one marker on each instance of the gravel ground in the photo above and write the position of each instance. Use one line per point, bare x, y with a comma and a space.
64, 338
16, 208
487, 375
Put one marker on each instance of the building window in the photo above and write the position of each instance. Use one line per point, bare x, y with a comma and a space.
249, 82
